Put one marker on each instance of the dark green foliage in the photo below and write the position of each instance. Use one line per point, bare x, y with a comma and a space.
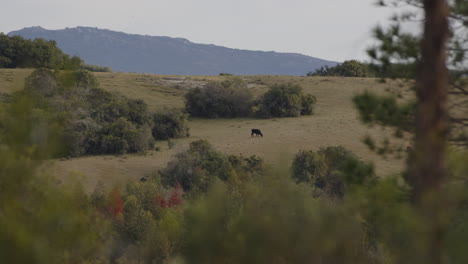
351, 68
42, 82
95, 121
252, 166
197, 168
170, 123
369, 142
308, 102
385, 110
120, 137
233, 99
240, 219
230, 98
394, 70
146, 220
398, 54
41, 221
331, 170
17, 52
285, 100
6, 98
95, 68
273, 221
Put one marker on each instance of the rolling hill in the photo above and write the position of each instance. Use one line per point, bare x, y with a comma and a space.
165, 55
335, 122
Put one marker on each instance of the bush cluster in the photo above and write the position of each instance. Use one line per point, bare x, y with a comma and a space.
330, 171
254, 217
285, 100
97, 121
95, 68
351, 68
196, 169
148, 217
17, 52
170, 123
145, 221
230, 98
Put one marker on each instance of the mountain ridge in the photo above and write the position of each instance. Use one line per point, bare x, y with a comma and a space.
167, 55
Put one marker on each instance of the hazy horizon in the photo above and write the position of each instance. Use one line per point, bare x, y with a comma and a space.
334, 30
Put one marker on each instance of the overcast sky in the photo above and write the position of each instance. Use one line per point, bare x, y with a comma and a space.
329, 29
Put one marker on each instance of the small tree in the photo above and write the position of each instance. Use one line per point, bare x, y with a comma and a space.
170, 123
195, 169
351, 68
285, 100
230, 98
331, 170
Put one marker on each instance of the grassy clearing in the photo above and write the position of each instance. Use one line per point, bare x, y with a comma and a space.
335, 123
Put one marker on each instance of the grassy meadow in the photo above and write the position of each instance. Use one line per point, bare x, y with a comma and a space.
335, 122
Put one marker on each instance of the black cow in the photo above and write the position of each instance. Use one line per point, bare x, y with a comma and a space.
256, 132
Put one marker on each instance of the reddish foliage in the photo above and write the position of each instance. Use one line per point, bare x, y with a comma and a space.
175, 198
162, 201
115, 203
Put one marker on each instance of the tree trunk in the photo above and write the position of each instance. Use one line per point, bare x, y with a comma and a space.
428, 171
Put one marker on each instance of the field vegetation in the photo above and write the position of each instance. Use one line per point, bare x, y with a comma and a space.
335, 122
211, 200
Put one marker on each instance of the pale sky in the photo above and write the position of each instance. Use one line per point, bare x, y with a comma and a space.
328, 29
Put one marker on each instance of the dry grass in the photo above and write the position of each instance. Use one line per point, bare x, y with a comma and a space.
13, 79
335, 123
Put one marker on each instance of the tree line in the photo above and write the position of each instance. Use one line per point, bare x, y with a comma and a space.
17, 52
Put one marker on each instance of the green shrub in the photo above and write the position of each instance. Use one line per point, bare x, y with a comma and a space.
195, 169
147, 221
247, 168
201, 165
41, 220
285, 100
122, 136
6, 98
42, 83
308, 102
274, 221
385, 110
230, 98
95, 68
369, 142
95, 121
17, 52
351, 68
170, 123
331, 170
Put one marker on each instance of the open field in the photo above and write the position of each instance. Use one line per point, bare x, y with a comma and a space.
335, 123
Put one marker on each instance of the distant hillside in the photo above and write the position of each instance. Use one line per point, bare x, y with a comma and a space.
165, 55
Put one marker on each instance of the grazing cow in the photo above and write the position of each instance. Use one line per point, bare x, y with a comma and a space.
256, 132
